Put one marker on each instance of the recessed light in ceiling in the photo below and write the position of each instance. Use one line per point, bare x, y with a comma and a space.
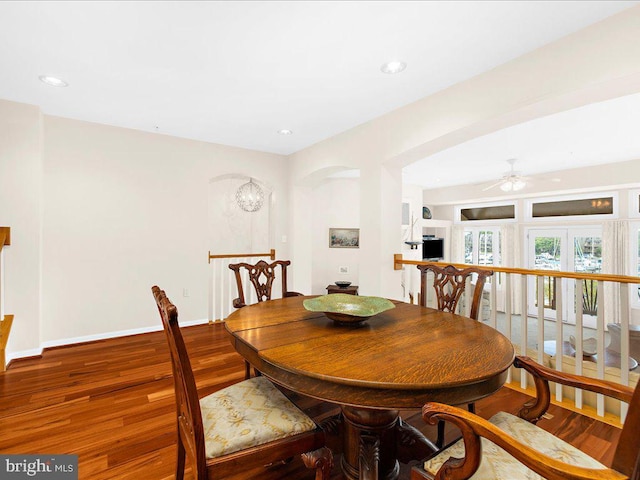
394, 66
53, 81
285, 131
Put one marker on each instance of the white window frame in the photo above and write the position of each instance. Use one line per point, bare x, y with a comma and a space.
634, 203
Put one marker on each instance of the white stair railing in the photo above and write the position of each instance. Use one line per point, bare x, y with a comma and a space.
528, 330
222, 282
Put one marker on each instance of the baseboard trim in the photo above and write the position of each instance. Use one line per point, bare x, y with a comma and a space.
36, 352
33, 353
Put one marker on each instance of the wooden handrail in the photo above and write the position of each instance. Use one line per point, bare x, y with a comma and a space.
5, 323
398, 261
5, 328
5, 236
271, 254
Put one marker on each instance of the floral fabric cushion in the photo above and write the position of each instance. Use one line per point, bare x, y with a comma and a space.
249, 413
496, 464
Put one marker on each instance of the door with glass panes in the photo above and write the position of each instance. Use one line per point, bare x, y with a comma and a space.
482, 246
576, 249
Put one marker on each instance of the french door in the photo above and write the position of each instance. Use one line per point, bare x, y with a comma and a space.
574, 249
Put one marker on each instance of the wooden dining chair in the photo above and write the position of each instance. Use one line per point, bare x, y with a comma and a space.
261, 275
242, 426
449, 283
507, 447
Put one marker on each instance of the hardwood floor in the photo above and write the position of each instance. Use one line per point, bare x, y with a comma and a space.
111, 402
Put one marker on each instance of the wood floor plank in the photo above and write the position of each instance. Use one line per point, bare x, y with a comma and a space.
112, 403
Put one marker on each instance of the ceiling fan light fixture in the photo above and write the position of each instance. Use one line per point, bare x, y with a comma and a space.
506, 186
518, 185
512, 185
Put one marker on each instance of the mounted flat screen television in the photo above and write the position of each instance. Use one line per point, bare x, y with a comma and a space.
432, 248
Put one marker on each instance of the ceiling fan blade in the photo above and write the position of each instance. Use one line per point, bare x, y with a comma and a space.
493, 185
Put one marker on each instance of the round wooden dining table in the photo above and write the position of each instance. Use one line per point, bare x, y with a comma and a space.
398, 359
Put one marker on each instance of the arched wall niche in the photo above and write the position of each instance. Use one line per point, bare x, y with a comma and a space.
232, 230
328, 197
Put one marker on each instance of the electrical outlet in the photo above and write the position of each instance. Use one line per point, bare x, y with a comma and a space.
185, 292
343, 269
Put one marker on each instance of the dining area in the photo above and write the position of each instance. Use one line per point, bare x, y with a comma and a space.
393, 360
373, 358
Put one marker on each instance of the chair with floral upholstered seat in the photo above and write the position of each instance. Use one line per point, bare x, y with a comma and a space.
508, 447
245, 425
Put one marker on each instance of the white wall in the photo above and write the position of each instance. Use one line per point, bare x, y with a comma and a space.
118, 203
20, 209
126, 210
336, 204
122, 210
412, 194
596, 63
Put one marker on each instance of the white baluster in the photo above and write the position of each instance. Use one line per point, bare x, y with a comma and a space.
507, 312
540, 329
523, 329
578, 347
210, 293
493, 307
559, 336
625, 313
600, 348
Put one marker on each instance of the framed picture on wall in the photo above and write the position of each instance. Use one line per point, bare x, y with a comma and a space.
344, 238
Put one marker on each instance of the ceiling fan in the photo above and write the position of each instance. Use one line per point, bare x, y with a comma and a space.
512, 181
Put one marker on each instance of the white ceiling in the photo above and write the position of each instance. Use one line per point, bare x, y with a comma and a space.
236, 72
599, 133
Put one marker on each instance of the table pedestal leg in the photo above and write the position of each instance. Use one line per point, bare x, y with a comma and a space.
370, 443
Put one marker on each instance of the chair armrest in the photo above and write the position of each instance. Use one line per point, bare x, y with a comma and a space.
535, 409
474, 427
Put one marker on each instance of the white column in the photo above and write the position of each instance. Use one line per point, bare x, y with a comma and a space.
301, 239
380, 230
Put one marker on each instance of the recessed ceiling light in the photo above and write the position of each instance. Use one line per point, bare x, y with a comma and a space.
285, 131
393, 67
53, 81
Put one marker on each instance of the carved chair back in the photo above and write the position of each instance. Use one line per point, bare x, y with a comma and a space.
449, 283
190, 426
261, 275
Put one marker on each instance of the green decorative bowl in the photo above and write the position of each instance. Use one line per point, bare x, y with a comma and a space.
348, 309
